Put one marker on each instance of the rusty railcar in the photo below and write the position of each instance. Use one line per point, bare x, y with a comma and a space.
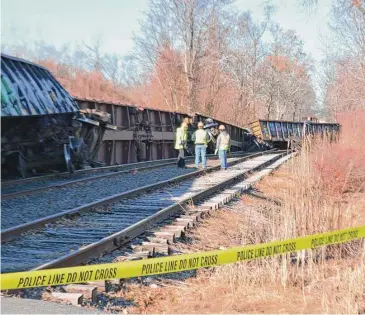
141, 134
280, 132
145, 134
241, 138
41, 124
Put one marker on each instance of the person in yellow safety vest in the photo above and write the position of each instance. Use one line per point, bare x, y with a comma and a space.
223, 146
201, 139
180, 143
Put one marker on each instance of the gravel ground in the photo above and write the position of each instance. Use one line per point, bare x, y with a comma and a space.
28, 306
5, 189
31, 207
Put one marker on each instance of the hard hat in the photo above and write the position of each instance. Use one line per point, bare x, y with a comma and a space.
221, 127
200, 124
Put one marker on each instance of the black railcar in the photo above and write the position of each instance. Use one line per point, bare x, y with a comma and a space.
42, 126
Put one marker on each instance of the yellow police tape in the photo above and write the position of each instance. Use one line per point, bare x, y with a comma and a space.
177, 263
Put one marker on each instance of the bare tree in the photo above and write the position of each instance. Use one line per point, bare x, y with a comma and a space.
344, 73
245, 52
183, 28
94, 53
112, 68
287, 87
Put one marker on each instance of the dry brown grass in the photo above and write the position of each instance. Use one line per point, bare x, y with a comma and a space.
306, 196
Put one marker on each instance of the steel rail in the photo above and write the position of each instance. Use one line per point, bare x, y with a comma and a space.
90, 170
19, 229
100, 169
120, 238
80, 180
155, 165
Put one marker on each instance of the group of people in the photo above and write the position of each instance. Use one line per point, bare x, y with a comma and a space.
201, 138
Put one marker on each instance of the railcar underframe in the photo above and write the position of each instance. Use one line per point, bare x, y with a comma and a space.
146, 134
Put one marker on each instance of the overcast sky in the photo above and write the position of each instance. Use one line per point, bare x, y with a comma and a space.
71, 21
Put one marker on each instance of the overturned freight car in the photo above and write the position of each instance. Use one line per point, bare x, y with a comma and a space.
42, 127
241, 138
145, 134
282, 134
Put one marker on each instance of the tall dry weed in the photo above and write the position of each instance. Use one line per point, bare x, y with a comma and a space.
341, 164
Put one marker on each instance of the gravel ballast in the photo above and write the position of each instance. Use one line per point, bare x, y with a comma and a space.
61, 179
27, 208
31, 207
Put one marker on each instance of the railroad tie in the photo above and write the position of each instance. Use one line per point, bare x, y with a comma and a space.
202, 207
212, 205
242, 186
100, 285
228, 195
154, 248
189, 222
177, 230
136, 256
168, 235
201, 212
73, 298
88, 291
178, 226
154, 239
194, 217
230, 191
218, 200
221, 198
199, 215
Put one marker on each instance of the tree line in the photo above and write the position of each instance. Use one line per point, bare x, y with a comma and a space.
204, 56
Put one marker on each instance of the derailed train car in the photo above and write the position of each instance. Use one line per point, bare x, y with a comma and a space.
281, 133
241, 138
42, 127
145, 134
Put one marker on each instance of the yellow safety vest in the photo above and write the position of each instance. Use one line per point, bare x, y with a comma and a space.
201, 136
181, 136
224, 142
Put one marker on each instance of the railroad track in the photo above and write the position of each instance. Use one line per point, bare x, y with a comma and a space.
48, 202
33, 211
70, 240
21, 187
96, 170
154, 242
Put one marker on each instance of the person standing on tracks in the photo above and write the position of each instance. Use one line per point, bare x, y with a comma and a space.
201, 139
180, 143
223, 146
